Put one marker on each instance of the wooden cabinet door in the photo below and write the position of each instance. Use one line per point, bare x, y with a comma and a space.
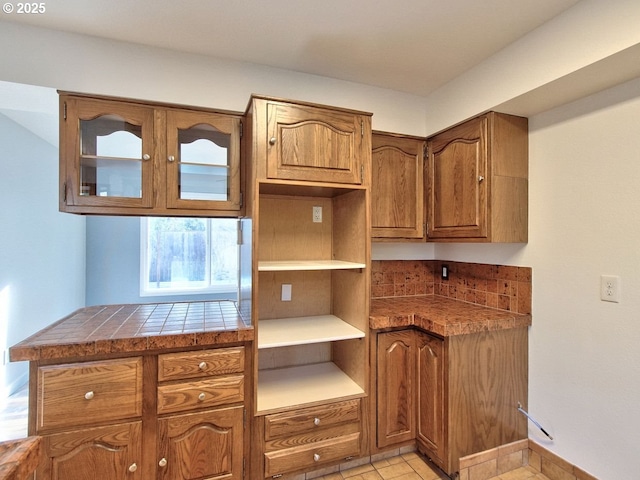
206, 445
203, 160
431, 395
397, 178
107, 154
315, 144
105, 453
457, 182
396, 387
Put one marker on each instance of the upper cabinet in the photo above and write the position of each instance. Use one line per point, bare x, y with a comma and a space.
477, 177
313, 143
128, 158
397, 179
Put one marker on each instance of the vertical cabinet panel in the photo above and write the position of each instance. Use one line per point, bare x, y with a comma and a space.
431, 393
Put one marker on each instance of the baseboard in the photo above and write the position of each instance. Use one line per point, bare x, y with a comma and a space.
523, 453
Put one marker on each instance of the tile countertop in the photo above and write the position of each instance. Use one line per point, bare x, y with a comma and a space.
440, 315
19, 458
109, 329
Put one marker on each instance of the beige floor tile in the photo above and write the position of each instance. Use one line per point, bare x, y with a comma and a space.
357, 470
397, 470
423, 469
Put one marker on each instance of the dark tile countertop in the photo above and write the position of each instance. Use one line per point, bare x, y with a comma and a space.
440, 315
19, 458
110, 329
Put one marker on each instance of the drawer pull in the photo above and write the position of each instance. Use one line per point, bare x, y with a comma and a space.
316, 421
89, 395
201, 396
162, 462
272, 141
202, 366
133, 467
316, 457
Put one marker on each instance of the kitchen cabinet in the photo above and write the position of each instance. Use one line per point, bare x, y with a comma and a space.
132, 158
314, 143
397, 187
431, 389
469, 387
170, 416
310, 281
477, 181
396, 387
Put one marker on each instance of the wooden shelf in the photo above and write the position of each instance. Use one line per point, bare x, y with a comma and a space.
300, 385
300, 265
283, 332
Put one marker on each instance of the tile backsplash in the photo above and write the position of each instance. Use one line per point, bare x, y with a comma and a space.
496, 286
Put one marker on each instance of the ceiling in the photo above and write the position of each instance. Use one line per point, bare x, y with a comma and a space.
412, 46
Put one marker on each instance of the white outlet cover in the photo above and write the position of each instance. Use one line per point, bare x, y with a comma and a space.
610, 288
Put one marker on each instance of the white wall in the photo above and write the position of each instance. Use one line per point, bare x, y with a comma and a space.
584, 362
41, 250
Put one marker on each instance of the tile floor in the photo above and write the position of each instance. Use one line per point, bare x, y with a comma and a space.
408, 466
412, 466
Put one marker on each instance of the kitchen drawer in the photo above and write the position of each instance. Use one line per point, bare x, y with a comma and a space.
202, 363
180, 397
88, 393
311, 455
306, 419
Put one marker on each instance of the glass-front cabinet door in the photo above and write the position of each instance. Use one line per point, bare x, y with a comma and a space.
203, 160
108, 151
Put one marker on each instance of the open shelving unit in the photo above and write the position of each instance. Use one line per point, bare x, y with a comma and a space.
312, 349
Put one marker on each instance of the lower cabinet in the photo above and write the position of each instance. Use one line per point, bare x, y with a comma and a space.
203, 445
464, 390
309, 438
176, 416
396, 387
111, 452
431, 388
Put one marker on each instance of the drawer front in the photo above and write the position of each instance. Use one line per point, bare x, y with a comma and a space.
311, 455
199, 364
185, 396
84, 393
308, 419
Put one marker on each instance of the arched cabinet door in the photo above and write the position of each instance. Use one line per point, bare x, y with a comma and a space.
203, 445
112, 452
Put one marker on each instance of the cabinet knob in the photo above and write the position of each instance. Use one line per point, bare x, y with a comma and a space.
272, 141
171, 158
133, 467
480, 179
202, 365
316, 421
89, 395
162, 462
146, 156
201, 396
316, 457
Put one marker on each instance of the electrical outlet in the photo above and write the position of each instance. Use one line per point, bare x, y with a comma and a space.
317, 214
445, 272
610, 288
285, 295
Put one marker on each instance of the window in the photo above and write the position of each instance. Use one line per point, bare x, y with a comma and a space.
188, 256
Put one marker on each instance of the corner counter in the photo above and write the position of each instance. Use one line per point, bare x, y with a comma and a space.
441, 316
122, 329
